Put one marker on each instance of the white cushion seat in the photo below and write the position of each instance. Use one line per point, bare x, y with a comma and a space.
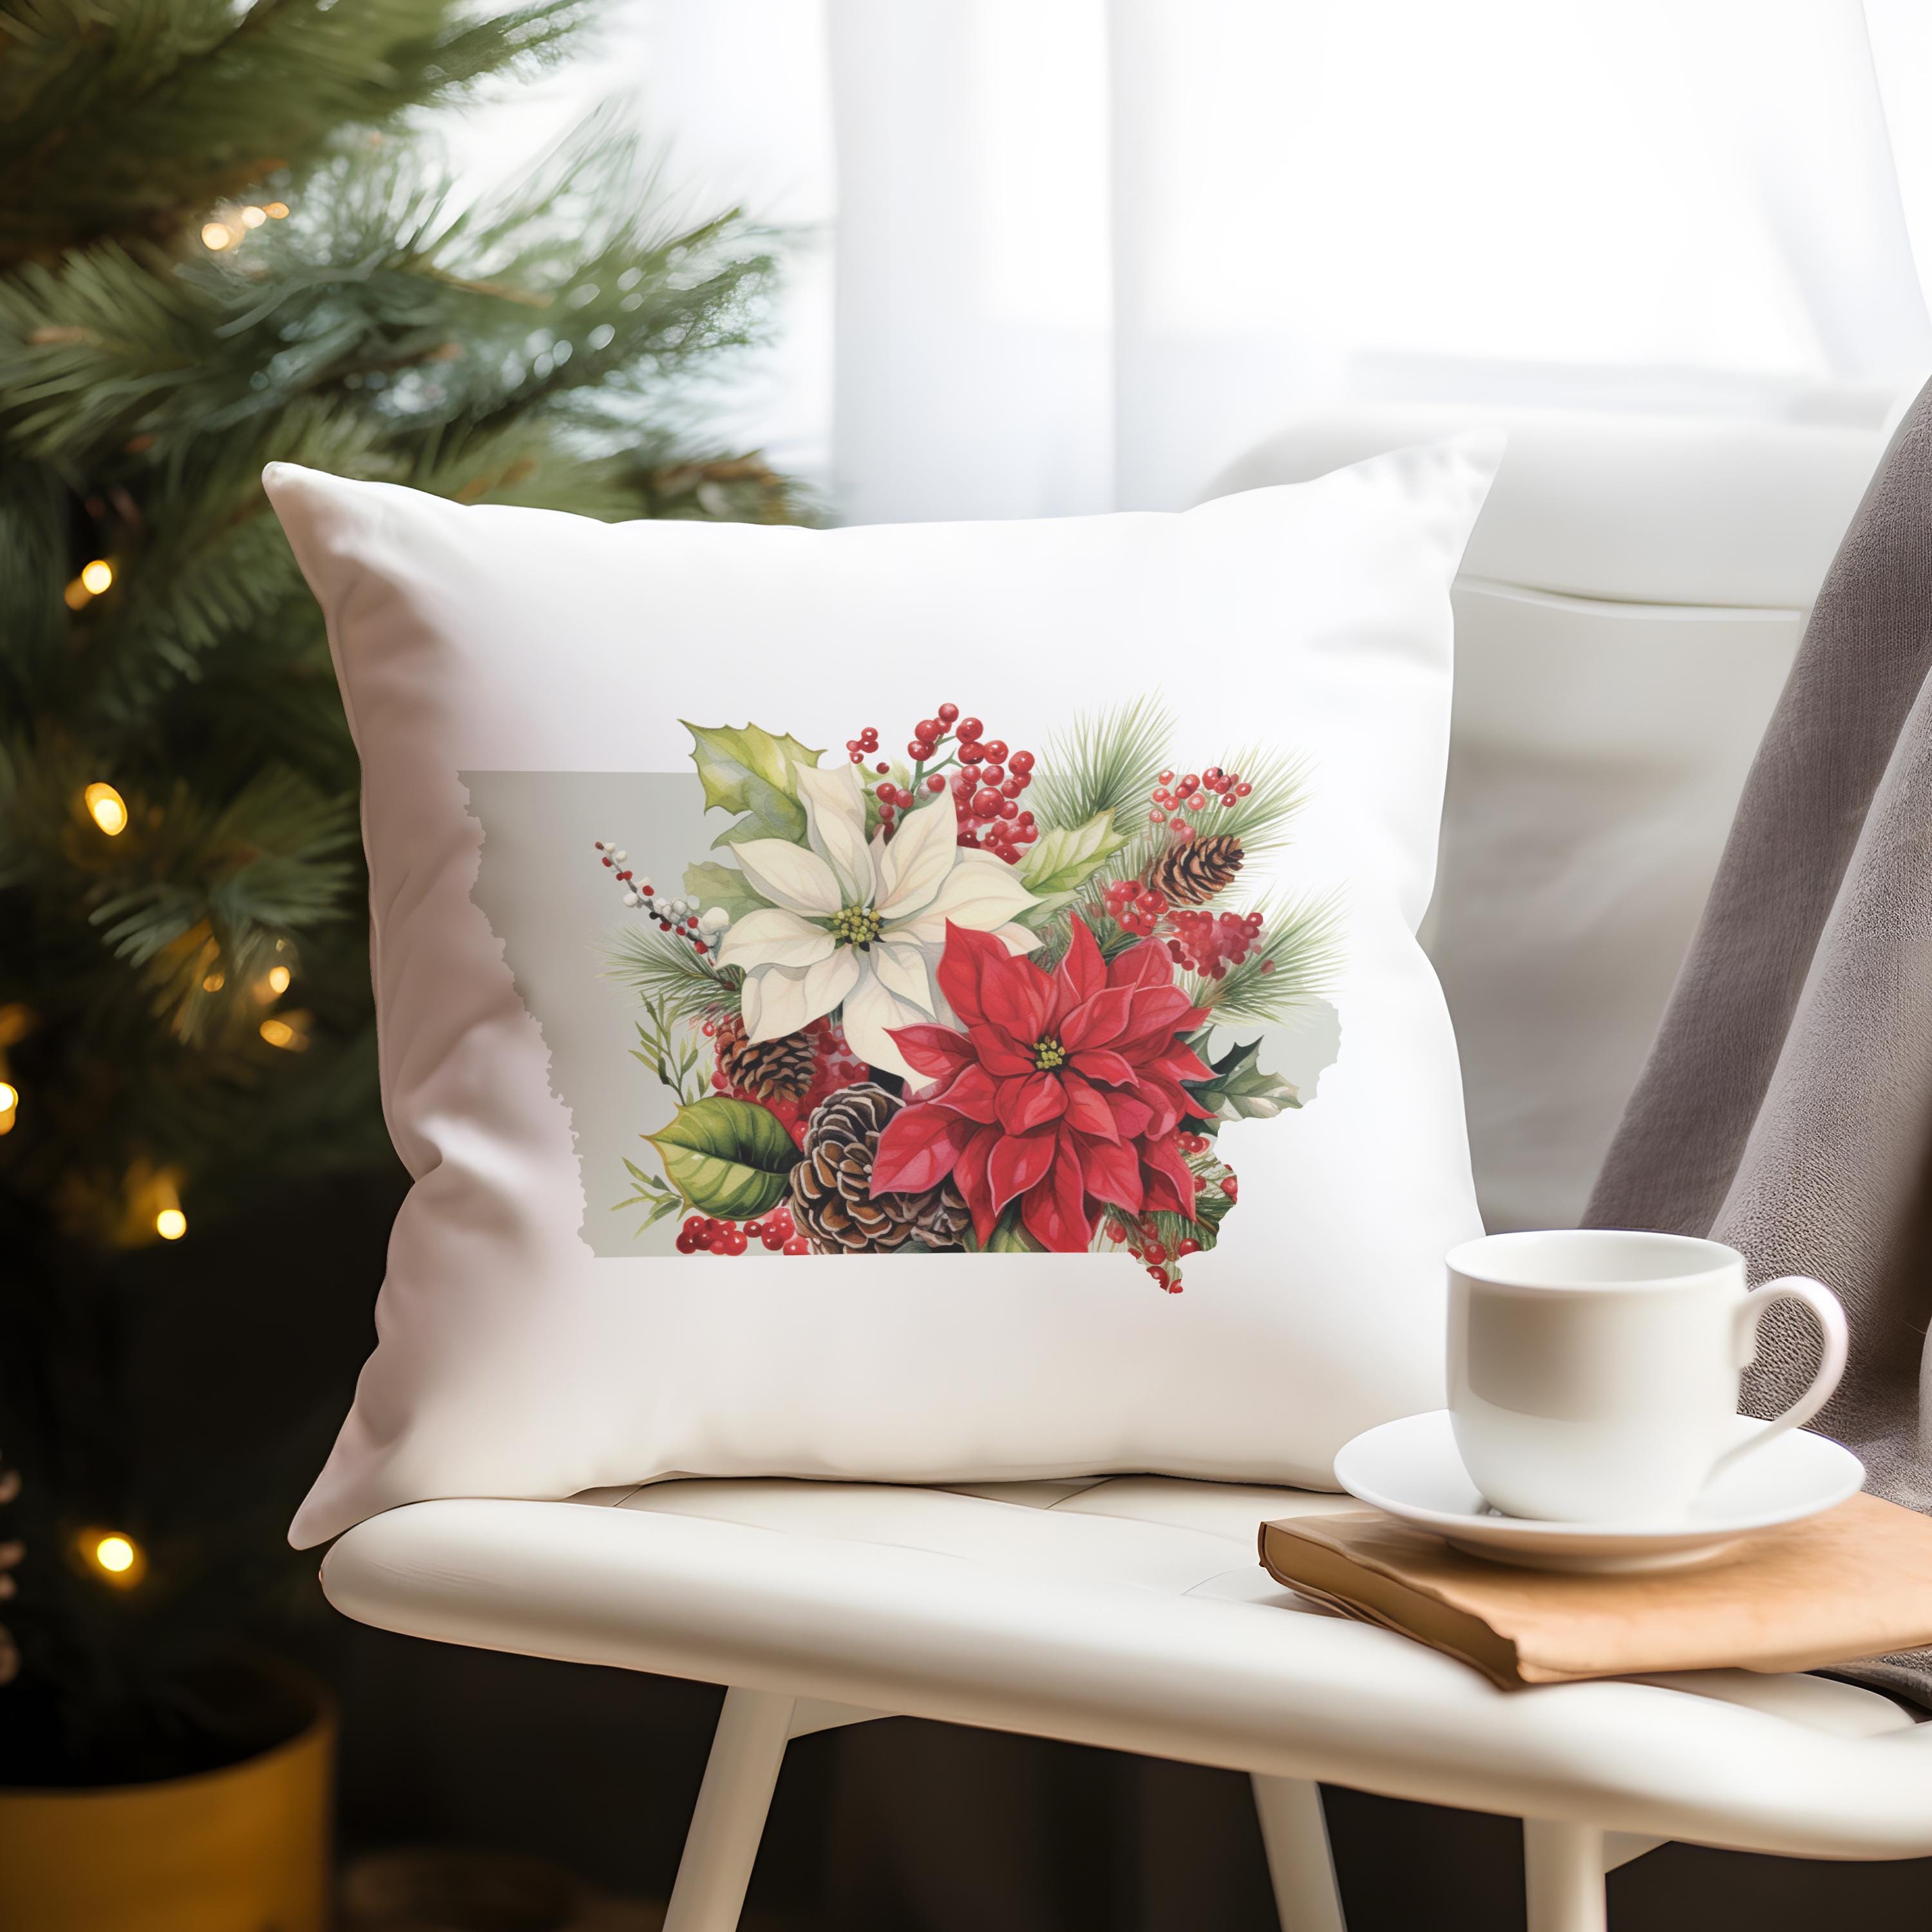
1131, 1613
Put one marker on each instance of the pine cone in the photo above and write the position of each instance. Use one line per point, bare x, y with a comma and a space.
831, 1194
1191, 875
766, 1069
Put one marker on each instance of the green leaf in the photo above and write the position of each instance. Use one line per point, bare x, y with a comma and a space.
730, 1158
776, 817
651, 1194
1258, 1095
711, 884
1239, 1055
1066, 858
1242, 1090
744, 768
1010, 1237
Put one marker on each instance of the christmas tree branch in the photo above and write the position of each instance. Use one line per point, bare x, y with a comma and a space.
172, 104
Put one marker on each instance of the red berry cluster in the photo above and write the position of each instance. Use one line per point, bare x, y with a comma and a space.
1161, 1262
834, 1065
986, 782
893, 799
1135, 908
775, 1230
986, 789
677, 916
1209, 942
1198, 941
1196, 792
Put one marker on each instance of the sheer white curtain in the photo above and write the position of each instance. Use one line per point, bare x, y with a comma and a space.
1057, 256
1087, 252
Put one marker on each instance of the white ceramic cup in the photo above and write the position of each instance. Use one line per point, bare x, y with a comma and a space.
1594, 1374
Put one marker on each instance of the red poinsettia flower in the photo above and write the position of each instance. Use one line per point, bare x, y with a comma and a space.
1063, 1091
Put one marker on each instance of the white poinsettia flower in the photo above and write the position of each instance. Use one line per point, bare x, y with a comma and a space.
860, 923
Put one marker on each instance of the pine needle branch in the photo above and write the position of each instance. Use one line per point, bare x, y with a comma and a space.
188, 996
675, 983
205, 895
1261, 821
369, 296
125, 118
1105, 762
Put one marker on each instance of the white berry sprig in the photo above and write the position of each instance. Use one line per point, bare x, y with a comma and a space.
697, 928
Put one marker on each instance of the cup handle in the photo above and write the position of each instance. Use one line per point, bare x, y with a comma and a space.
1830, 1314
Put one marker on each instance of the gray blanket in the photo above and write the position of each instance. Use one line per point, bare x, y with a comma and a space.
1787, 1106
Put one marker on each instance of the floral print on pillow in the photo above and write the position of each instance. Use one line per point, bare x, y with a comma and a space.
970, 999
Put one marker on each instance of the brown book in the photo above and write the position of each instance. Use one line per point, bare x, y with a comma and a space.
1855, 1581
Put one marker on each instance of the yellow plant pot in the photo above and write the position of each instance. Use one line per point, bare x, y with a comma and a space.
245, 1849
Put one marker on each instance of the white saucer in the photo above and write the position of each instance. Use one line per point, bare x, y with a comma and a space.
1410, 1469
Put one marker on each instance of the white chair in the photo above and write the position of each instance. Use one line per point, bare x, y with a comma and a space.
1130, 1612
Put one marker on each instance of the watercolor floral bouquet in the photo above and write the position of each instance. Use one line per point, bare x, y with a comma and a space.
967, 1000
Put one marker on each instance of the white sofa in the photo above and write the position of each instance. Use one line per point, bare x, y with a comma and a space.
1629, 605
1631, 601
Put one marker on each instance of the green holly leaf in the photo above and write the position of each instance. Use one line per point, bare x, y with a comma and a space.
745, 769
711, 884
1240, 1054
1241, 1090
729, 1158
1066, 858
733, 761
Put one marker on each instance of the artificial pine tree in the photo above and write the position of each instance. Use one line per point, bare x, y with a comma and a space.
225, 239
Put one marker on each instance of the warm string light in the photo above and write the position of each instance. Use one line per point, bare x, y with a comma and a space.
170, 1223
232, 224
288, 1031
94, 578
16, 1022
151, 1208
107, 807
114, 1557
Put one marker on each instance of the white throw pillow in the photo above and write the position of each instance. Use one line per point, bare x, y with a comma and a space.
784, 1103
